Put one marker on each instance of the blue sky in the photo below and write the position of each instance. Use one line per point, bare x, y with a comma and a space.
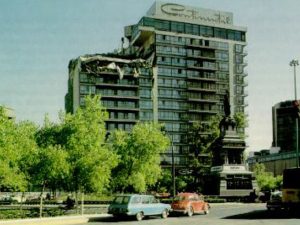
39, 37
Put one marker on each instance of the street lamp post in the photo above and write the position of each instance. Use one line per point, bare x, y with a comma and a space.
295, 63
173, 169
172, 157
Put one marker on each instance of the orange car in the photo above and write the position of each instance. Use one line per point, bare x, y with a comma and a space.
190, 203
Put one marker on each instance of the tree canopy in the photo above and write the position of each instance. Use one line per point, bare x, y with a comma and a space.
265, 180
139, 152
91, 161
17, 148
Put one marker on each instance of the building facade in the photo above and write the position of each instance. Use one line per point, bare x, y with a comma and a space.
284, 126
196, 56
274, 163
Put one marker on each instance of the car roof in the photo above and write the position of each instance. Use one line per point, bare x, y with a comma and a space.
187, 194
129, 195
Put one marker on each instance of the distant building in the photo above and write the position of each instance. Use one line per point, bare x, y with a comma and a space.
284, 126
282, 154
274, 163
9, 112
196, 54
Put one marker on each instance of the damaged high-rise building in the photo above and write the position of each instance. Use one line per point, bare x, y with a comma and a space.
188, 59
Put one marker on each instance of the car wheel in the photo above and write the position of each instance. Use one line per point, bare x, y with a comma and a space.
190, 211
206, 210
164, 214
139, 216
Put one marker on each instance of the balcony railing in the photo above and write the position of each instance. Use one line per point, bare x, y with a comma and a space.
121, 108
208, 111
103, 96
196, 77
116, 85
200, 46
199, 67
194, 99
201, 57
195, 88
122, 120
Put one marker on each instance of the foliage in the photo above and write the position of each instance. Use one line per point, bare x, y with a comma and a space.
201, 136
28, 213
265, 180
164, 182
17, 146
185, 183
52, 134
139, 153
51, 168
241, 123
90, 159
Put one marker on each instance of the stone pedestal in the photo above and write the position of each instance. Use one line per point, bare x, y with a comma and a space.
229, 175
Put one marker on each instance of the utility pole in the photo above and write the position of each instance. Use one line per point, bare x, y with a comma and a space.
295, 63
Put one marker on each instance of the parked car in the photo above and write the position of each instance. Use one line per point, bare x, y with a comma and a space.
138, 206
275, 202
189, 203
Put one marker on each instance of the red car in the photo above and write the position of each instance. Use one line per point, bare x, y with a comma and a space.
190, 203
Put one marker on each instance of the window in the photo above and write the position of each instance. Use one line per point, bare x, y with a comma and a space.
239, 48
177, 27
238, 58
222, 55
112, 115
146, 104
206, 31
239, 68
231, 34
111, 126
223, 66
85, 89
145, 92
83, 77
220, 33
82, 100
146, 199
136, 200
146, 115
193, 29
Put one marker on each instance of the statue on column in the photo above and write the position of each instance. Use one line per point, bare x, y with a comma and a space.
226, 104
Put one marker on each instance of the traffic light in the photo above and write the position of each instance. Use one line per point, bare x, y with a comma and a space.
296, 106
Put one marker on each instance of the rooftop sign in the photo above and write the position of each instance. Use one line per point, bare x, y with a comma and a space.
192, 14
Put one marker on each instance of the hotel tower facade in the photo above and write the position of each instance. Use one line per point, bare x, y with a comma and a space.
196, 55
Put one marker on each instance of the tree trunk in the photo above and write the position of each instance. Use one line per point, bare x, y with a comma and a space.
82, 203
41, 201
76, 202
21, 203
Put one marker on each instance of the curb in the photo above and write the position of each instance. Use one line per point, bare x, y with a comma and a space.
60, 220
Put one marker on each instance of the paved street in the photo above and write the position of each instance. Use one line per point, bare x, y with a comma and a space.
227, 214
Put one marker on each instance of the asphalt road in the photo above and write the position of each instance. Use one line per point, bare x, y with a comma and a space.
223, 214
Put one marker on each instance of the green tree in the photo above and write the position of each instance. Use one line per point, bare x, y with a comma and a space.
241, 123
17, 147
139, 152
265, 180
164, 182
52, 134
51, 168
90, 159
201, 136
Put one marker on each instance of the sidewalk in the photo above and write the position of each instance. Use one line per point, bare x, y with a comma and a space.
60, 220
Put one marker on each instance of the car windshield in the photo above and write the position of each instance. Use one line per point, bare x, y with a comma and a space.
121, 200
